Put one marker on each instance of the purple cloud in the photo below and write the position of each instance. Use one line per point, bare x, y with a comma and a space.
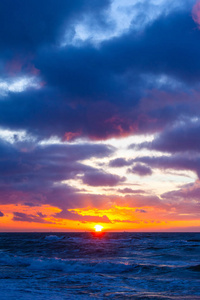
180, 138
31, 204
176, 162
1, 214
185, 200
70, 215
140, 170
22, 217
140, 211
130, 191
34, 176
188, 192
100, 178
120, 162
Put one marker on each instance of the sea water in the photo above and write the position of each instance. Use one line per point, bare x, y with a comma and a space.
59, 266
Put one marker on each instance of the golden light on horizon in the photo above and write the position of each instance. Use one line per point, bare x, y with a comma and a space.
98, 228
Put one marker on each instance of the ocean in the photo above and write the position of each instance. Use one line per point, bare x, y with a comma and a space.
55, 266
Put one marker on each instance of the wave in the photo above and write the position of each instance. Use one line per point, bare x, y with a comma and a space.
106, 266
54, 238
195, 268
194, 240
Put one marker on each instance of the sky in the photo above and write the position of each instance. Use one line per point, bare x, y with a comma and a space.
100, 115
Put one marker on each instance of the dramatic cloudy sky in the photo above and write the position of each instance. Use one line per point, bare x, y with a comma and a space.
100, 115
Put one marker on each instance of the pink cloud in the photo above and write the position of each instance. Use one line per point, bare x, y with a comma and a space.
196, 13
19, 65
70, 136
14, 67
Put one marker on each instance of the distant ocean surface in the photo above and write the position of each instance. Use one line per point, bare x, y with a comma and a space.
56, 266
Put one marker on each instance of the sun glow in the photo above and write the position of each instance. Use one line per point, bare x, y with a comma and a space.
98, 228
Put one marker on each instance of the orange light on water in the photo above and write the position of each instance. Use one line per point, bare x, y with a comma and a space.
98, 228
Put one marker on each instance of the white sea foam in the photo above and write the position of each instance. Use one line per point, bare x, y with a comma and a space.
53, 237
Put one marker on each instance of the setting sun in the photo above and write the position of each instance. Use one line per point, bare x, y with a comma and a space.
98, 228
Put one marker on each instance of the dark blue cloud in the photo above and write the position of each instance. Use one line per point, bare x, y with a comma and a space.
29, 24
45, 113
1, 214
167, 46
97, 91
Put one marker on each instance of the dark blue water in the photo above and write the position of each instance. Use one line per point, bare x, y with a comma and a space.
109, 266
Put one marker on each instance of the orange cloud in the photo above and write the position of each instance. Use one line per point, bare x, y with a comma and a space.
113, 218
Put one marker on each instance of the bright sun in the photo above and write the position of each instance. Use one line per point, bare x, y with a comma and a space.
98, 228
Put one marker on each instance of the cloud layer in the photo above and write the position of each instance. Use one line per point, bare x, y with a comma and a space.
73, 82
